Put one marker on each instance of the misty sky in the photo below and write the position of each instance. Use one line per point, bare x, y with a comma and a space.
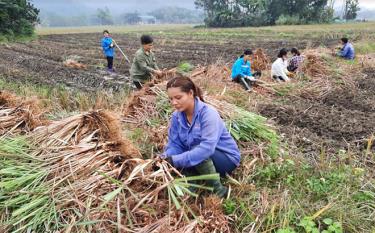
116, 6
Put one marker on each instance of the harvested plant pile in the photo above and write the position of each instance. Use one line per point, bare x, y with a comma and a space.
313, 65
73, 62
261, 61
78, 175
17, 115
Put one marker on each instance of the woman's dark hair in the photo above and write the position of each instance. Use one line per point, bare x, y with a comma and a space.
345, 40
283, 52
186, 85
146, 39
246, 52
295, 51
105, 31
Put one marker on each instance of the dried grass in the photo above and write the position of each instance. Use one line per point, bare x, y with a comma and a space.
261, 61
18, 115
73, 63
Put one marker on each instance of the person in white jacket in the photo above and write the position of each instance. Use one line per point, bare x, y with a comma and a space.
279, 69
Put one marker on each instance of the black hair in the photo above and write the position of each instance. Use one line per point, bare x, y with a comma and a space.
295, 51
282, 52
105, 31
246, 52
146, 39
186, 85
345, 40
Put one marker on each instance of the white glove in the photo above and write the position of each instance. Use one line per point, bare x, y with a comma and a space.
251, 78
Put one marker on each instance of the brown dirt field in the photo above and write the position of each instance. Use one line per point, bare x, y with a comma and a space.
342, 119
41, 61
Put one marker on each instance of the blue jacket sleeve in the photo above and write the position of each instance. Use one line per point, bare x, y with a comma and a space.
211, 128
174, 145
105, 44
236, 69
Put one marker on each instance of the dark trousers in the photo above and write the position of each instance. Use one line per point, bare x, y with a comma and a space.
110, 63
278, 78
138, 84
222, 165
246, 83
292, 68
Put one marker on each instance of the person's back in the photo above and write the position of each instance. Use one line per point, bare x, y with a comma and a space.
348, 51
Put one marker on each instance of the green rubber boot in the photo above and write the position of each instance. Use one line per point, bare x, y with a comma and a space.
208, 167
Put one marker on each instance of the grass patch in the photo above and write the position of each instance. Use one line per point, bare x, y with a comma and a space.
293, 196
365, 47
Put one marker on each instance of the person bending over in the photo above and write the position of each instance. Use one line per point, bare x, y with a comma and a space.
241, 70
144, 63
296, 60
279, 69
198, 140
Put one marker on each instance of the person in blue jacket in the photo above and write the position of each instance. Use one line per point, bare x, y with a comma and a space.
241, 70
198, 140
347, 51
108, 49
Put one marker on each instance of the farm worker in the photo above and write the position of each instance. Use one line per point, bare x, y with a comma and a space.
241, 70
198, 140
295, 61
108, 49
144, 63
279, 69
347, 51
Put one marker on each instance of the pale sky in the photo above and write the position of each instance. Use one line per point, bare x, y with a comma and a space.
362, 3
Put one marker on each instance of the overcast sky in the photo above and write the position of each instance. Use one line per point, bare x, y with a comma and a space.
116, 6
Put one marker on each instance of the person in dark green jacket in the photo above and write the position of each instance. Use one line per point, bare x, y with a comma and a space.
144, 63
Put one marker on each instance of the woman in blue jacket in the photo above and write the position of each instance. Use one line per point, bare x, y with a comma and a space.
198, 140
108, 49
241, 70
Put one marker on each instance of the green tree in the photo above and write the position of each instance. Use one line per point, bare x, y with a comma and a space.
104, 16
17, 18
351, 9
229, 13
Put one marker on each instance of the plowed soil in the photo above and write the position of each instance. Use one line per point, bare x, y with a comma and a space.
41, 61
343, 119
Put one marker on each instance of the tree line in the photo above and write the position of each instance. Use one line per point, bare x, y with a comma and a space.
238, 13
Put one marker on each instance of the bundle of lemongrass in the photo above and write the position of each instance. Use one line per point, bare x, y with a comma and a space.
76, 178
17, 115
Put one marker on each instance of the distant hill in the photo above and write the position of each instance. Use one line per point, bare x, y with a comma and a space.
367, 14
74, 7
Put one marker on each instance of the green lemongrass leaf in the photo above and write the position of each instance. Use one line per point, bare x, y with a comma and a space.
186, 190
184, 184
178, 190
215, 176
110, 196
174, 198
33, 204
